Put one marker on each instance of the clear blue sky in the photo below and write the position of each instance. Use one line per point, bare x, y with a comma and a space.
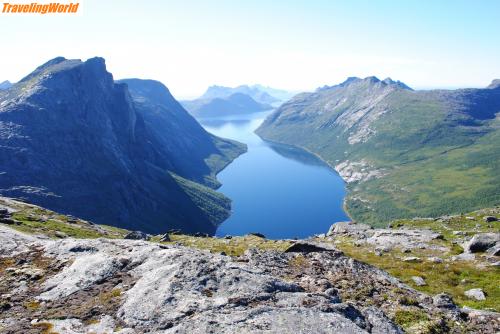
296, 45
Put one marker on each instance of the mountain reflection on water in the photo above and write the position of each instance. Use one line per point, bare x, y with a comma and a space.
278, 190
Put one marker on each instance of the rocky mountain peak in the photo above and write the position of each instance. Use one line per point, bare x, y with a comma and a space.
5, 85
397, 83
46, 67
349, 80
59, 77
388, 81
371, 79
494, 84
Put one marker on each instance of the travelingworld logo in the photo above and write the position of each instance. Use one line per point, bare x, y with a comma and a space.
40, 7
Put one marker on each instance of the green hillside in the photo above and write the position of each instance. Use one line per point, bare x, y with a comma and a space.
404, 153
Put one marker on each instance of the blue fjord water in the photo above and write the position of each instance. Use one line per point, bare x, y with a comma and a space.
277, 190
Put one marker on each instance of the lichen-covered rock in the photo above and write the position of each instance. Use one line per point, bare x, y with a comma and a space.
136, 286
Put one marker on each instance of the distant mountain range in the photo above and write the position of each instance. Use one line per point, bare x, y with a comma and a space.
234, 104
122, 153
280, 94
222, 101
6, 84
254, 92
403, 153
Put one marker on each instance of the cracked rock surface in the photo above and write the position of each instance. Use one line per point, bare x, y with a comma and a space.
136, 286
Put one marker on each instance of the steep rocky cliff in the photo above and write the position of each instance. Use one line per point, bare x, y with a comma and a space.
75, 141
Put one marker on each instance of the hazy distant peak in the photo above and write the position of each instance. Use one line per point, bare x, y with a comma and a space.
262, 87
5, 85
494, 84
258, 94
238, 96
216, 87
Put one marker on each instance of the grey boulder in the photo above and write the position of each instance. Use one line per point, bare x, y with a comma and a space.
477, 294
137, 235
481, 242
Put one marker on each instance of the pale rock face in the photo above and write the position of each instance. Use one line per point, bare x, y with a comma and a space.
74, 326
14, 242
358, 118
174, 289
406, 238
348, 228
357, 171
476, 294
419, 281
271, 320
82, 273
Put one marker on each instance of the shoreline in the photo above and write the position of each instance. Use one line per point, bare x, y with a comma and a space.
344, 201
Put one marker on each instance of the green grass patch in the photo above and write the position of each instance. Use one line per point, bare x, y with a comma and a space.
408, 318
35, 220
232, 247
453, 278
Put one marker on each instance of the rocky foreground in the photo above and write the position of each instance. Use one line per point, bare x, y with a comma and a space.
59, 274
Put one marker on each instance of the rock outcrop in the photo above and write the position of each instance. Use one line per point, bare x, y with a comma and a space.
171, 289
483, 242
107, 284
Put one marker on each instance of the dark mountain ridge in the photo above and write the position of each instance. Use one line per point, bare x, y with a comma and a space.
73, 140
